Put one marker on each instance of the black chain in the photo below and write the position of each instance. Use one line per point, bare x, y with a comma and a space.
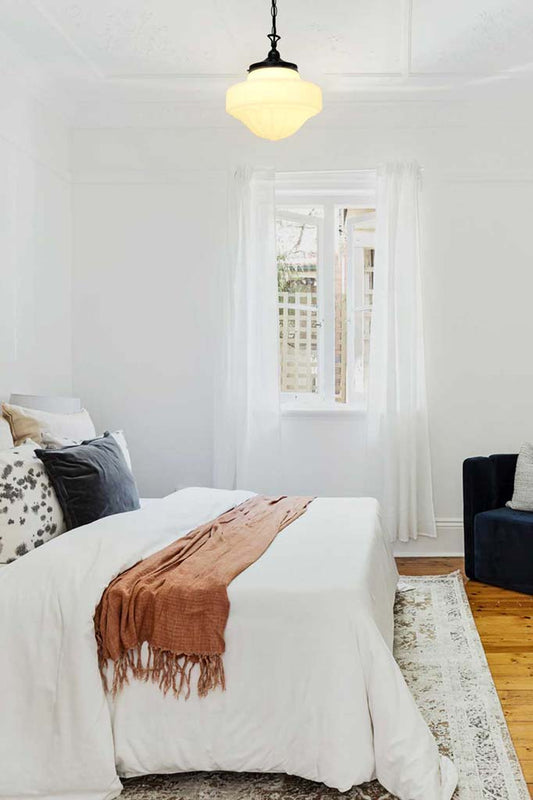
274, 38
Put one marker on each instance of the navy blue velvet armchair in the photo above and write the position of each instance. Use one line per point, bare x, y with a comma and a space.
498, 540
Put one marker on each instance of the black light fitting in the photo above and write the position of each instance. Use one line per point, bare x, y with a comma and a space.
273, 58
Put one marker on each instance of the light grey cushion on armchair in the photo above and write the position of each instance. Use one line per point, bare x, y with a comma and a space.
522, 499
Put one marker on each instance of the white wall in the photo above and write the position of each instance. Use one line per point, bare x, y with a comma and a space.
35, 237
149, 238
145, 261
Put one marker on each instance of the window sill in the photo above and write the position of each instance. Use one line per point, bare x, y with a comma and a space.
299, 409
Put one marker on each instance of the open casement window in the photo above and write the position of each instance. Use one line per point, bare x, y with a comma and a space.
299, 234
360, 235
325, 263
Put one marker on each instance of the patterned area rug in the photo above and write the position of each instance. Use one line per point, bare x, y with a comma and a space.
440, 654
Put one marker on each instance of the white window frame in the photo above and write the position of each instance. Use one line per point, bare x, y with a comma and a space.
330, 190
358, 242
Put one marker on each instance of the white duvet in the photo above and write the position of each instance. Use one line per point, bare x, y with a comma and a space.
312, 687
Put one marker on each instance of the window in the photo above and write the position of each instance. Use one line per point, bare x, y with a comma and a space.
325, 267
298, 232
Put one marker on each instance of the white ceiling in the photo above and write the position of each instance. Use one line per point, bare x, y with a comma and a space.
472, 36
424, 45
132, 38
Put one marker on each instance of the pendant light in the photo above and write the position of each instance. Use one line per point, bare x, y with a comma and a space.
273, 102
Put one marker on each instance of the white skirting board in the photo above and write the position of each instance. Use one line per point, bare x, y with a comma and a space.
449, 542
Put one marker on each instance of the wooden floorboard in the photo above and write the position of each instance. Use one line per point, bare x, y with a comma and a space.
505, 624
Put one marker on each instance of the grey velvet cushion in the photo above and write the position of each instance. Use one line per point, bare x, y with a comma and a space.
91, 480
522, 499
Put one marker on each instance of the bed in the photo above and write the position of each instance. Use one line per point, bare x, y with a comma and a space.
312, 687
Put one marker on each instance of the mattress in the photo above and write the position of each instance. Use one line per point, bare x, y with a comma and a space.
312, 687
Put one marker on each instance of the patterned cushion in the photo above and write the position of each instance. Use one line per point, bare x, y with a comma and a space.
29, 510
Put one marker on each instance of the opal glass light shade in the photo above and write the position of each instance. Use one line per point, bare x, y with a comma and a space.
273, 102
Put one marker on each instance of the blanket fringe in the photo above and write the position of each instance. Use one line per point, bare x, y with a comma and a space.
169, 671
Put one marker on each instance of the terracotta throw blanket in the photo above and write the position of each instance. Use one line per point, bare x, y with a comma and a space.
177, 601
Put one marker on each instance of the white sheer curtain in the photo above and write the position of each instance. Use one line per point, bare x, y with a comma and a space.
247, 414
397, 426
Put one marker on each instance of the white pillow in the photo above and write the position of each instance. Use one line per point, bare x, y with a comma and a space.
30, 513
6, 440
122, 443
56, 442
76, 426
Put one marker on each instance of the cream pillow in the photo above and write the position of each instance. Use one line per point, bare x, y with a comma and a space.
29, 423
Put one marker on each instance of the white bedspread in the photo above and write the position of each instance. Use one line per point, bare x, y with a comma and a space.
313, 689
